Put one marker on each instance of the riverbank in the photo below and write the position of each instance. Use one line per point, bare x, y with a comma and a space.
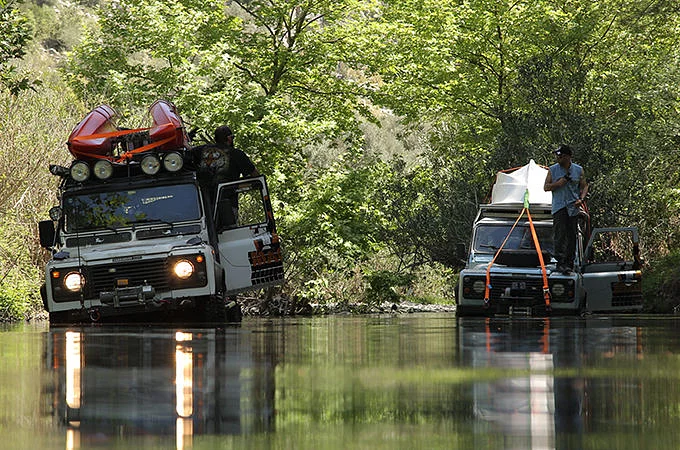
284, 306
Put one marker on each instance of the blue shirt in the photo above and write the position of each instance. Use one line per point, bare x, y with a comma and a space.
566, 195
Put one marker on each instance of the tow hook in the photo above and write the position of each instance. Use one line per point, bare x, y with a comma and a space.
95, 315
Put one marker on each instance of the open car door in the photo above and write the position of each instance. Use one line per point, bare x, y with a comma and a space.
611, 270
249, 247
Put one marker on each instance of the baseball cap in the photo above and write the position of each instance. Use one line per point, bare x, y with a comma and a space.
562, 149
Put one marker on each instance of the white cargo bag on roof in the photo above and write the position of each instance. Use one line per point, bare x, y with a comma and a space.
511, 186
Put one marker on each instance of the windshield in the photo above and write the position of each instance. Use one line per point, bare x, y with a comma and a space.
489, 238
115, 209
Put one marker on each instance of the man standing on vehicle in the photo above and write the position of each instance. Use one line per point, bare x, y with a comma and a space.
568, 192
238, 163
222, 163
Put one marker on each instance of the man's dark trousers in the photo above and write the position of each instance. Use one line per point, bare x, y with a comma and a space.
564, 236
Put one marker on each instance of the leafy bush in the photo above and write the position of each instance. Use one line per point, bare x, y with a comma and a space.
384, 285
661, 285
16, 34
34, 136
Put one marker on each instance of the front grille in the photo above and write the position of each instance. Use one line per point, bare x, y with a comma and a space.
627, 300
533, 288
153, 272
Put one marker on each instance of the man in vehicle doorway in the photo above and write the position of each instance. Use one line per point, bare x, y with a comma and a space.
221, 163
238, 164
569, 188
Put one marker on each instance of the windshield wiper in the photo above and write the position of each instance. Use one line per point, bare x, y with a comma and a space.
152, 221
492, 247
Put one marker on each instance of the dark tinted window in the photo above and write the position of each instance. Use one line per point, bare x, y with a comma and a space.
489, 238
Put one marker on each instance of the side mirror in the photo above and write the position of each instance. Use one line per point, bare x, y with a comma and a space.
55, 213
47, 233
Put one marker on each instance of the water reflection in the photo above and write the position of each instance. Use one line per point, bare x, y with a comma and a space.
521, 405
164, 384
419, 381
544, 397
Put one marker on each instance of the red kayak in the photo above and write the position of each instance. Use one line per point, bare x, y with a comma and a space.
98, 121
167, 124
96, 136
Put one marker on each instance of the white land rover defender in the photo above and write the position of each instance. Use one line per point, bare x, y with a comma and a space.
503, 272
135, 234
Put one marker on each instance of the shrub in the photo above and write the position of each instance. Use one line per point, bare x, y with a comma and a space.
661, 284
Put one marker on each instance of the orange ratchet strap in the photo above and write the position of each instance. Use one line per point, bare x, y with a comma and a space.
487, 285
127, 155
546, 287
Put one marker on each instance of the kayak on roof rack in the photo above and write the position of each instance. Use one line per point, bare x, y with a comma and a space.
98, 137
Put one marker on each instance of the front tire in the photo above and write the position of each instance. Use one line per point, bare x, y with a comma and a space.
233, 310
217, 309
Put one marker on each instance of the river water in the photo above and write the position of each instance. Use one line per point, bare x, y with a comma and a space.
376, 382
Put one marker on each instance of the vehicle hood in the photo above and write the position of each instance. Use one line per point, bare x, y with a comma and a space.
134, 249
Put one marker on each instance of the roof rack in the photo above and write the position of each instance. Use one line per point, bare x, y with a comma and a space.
539, 211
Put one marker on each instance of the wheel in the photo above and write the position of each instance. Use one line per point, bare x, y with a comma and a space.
217, 309
233, 310
213, 310
43, 295
60, 317
467, 311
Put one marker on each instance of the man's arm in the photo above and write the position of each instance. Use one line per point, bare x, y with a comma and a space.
550, 186
583, 189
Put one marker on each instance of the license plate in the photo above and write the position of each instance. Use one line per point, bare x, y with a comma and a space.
519, 285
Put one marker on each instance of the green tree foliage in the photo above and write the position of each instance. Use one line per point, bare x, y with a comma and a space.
503, 81
276, 72
15, 33
335, 224
279, 73
484, 85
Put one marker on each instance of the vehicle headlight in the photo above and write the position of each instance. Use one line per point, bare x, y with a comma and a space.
80, 171
150, 164
478, 287
74, 281
183, 269
558, 289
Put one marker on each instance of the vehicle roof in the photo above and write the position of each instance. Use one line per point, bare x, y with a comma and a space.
136, 181
512, 211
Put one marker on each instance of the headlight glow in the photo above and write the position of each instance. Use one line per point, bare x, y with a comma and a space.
74, 281
183, 269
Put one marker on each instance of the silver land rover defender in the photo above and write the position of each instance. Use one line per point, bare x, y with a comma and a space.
504, 274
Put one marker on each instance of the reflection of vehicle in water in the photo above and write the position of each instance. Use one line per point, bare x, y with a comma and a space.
505, 274
168, 384
534, 390
521, 404
135, 233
